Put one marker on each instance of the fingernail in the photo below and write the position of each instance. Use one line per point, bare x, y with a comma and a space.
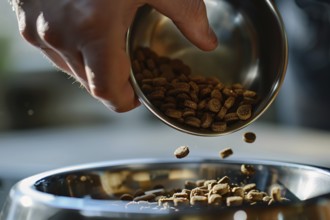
213, 37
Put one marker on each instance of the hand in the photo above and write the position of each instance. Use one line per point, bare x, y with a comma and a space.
86, 39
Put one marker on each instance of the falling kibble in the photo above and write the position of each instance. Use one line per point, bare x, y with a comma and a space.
181, 152
249, 137
226, 153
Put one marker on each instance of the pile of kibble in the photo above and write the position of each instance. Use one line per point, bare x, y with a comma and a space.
194, 100
205, 193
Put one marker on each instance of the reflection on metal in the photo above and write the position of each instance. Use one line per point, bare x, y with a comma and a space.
81, 192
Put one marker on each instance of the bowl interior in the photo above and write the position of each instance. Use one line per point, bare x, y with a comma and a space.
252, 48
93, 191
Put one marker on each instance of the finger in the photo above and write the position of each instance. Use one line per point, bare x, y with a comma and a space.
191, 18
107, 67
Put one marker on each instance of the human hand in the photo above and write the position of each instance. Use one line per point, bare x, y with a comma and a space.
87, 39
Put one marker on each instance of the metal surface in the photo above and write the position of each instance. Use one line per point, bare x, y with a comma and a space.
253, 51
89, 191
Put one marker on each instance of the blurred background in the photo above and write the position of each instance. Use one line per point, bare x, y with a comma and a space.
47, 121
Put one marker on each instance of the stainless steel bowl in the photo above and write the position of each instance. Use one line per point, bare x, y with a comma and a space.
88, 192
253, 51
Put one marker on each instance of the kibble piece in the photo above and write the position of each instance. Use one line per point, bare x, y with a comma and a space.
249, 187
249, 93
266, 199
159, 81
173, 113
224, 179
181, 152
126, 197
207, 120
193, 122
238, 191
234, 201
221, 189
163, 201
180, 195
221, 114
244, 112
215, 199
231, 117
276, 193
226, 153
198, 200
254, 196
247, 169
219, 126
178, 202
249, 137
230, 101
214, 105
190, 104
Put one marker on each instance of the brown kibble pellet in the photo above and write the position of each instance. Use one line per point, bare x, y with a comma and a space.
220, 188
215, 199
234, 201
126, 197
226, 153
198, 200
178, 202
254, 196
181, 152
207, 120
219, 126
276, 193
249, 187
193, 122
214, 105
230, 117
247, 169
224, 179
173, 113
180, 195
249, 137
249, 93
244, 112
190, 104
238, 191
221, 114
230, 101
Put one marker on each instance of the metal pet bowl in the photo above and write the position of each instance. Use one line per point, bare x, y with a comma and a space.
252, 50
91, 191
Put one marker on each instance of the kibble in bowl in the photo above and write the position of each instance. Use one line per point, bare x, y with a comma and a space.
180, 189
208, 93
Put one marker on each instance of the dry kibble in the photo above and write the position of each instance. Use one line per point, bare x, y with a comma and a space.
180, 202
221, 188
244, 112
126, 197
219, 126
198, 200
181, 152
226, 153
214, 105
276, 193
170, 86
234, 201
249, 137
247, 169
215, 199
172, 113
193, 122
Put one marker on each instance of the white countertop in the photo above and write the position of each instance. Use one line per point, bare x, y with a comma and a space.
26, 153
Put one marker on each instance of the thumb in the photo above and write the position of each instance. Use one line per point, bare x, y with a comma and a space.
191, 18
